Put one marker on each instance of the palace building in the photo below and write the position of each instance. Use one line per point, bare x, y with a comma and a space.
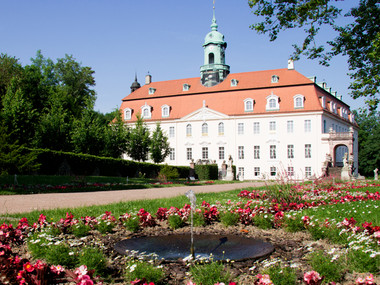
273, 123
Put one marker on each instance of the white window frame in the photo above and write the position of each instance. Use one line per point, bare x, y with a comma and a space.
272, 126
221, 152
234, 82
165, 111
240, 128
204, 129
127, 113
240, 152
256, 171
273, 171
272, 103
256, 152
272, 151
221, 129
290, 171
172, 153
298, 101
290, 126
248, 105
290, 151
256, 128
146, 109
204, 152
189, 153
275, 79
189, 130
152, 90
171, 132
307, 150
307, 126
185, 87
307, 171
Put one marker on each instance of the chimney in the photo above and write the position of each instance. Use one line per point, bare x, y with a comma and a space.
148, 79
290, 64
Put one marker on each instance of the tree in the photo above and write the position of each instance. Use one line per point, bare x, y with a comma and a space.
139, 141
159, 148
9, 69
359, 40
369, 137
14, 158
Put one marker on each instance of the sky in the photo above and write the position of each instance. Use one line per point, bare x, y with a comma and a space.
121, 38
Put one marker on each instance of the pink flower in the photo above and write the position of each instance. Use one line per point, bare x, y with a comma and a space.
312, 277
369, 279
28, 267
81, 271
57, 269
190, 283
263, 280
85, 280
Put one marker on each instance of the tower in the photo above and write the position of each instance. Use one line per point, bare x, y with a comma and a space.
214, 70
135, 85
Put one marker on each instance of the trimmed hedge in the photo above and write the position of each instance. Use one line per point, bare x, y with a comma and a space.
207, 171
67, 163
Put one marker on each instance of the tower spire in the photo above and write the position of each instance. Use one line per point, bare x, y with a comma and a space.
214, 25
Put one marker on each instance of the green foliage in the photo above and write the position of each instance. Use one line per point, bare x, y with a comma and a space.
139, 141
169, 172
360, 261
283, 192
281, 275
229, 218
159, 147
263, 221
210, 273
358, 39
207, 171
175, 222
369, 137
61, 254
80, 230
198, 220
132, 224
9, 68
294, 224
93, 258
105, 226
144, 270
322, 263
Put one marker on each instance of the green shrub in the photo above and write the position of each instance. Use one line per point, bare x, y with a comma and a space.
198, 220
80, 230
93, 258
210, 273
294, 224
263, 221
144, 270
206, 171
360, 261
132, 224
169, 172
61, 254
105, 226
229, 218
175, 222
281, 275
333, 271
37, 245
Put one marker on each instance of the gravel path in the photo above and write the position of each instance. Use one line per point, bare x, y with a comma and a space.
10, 204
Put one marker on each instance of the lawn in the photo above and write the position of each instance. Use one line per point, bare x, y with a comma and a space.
322, 234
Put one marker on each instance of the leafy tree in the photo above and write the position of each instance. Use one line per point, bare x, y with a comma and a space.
14, 158
369, 137
139, 141
159, 148
359, 40
9, 68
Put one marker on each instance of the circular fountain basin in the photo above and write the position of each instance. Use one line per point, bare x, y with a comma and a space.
177, 247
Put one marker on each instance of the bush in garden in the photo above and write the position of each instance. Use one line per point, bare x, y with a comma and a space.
294, 224
105, 226
284, 192
175, 222
360, 261
80, 230
198, 219
61, 254
263, 221
132, 224
168, 172
210, 273
332, 270
229, 218
144, 270
281, 275
93, 258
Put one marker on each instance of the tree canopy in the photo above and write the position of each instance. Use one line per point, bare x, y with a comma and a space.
359, 40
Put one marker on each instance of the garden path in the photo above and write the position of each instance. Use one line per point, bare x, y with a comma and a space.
10, 204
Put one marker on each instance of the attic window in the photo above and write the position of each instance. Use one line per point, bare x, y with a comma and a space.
152, 90
186, 87
165, 111
275, 79
127, 114
234, 82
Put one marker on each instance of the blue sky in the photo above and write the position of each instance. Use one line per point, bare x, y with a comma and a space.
118, 38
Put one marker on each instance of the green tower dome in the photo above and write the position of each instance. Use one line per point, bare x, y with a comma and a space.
214, 37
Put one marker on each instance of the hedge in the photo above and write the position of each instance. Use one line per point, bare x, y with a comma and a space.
67, 163
206, 171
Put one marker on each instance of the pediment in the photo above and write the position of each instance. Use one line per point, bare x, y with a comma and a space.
204, 114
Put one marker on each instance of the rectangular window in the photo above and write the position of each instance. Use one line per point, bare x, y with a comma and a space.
256, 152
273, 171
240, 174
171, 132
290, 171
307, 150
307, 126
172, 154
256, 127
221, 152
272, 152
290, 151
256, 171
241, 152
204, 152
189, 153
272, 126
289, 125
240, 128
307, 171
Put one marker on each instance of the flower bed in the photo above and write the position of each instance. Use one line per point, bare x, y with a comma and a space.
306, 246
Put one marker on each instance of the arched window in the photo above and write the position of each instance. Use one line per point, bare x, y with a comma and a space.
127, 114
248, 105
221, 128
298, 101
146, 111
272, 103
211, 58
204, 129
165, 111
188, 130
